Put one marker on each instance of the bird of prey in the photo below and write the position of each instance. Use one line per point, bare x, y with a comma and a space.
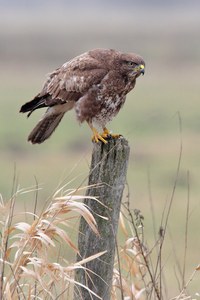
94, 83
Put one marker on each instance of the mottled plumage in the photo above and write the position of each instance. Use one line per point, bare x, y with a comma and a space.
95, 84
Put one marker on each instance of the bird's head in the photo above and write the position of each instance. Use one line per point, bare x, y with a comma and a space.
132, 65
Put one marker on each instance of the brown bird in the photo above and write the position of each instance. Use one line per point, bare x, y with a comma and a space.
95, 84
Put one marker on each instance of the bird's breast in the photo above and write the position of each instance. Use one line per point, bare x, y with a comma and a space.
109, 107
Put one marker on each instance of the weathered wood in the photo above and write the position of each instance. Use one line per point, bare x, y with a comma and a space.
108, 168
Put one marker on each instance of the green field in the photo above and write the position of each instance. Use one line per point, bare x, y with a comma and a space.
149, 120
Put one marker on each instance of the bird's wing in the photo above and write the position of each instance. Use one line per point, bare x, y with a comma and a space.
73, 79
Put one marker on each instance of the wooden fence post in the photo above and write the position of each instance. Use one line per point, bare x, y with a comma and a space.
108, 172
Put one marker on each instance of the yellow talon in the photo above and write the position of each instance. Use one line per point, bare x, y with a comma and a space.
97, 137
106, 134
103, 136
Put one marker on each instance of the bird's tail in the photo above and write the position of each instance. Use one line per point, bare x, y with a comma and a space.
37, 102
45, 128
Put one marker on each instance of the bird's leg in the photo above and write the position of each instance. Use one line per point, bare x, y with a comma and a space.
106, 134
96, 136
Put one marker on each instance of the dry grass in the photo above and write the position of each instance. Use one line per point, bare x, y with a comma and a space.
138, 273
27, 268
139, 270
32, 266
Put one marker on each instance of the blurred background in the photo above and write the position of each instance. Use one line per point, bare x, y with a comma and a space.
38, 36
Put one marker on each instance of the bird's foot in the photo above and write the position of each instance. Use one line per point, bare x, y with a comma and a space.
107, 135
98, 137
104, 136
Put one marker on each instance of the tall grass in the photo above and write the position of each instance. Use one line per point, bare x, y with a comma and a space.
28, 269
32, 265
140, 270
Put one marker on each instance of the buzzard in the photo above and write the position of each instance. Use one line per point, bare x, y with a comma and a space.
94, 83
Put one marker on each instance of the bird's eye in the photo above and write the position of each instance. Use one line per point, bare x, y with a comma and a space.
130, 63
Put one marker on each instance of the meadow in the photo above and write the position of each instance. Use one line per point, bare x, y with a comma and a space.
160, 119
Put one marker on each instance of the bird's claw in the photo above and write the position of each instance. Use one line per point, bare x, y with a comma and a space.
97, 137
107, 135
104, 136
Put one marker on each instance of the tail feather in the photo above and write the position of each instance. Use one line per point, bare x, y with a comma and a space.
45, 128
37, 102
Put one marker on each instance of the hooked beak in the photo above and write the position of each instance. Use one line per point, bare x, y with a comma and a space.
140, 69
